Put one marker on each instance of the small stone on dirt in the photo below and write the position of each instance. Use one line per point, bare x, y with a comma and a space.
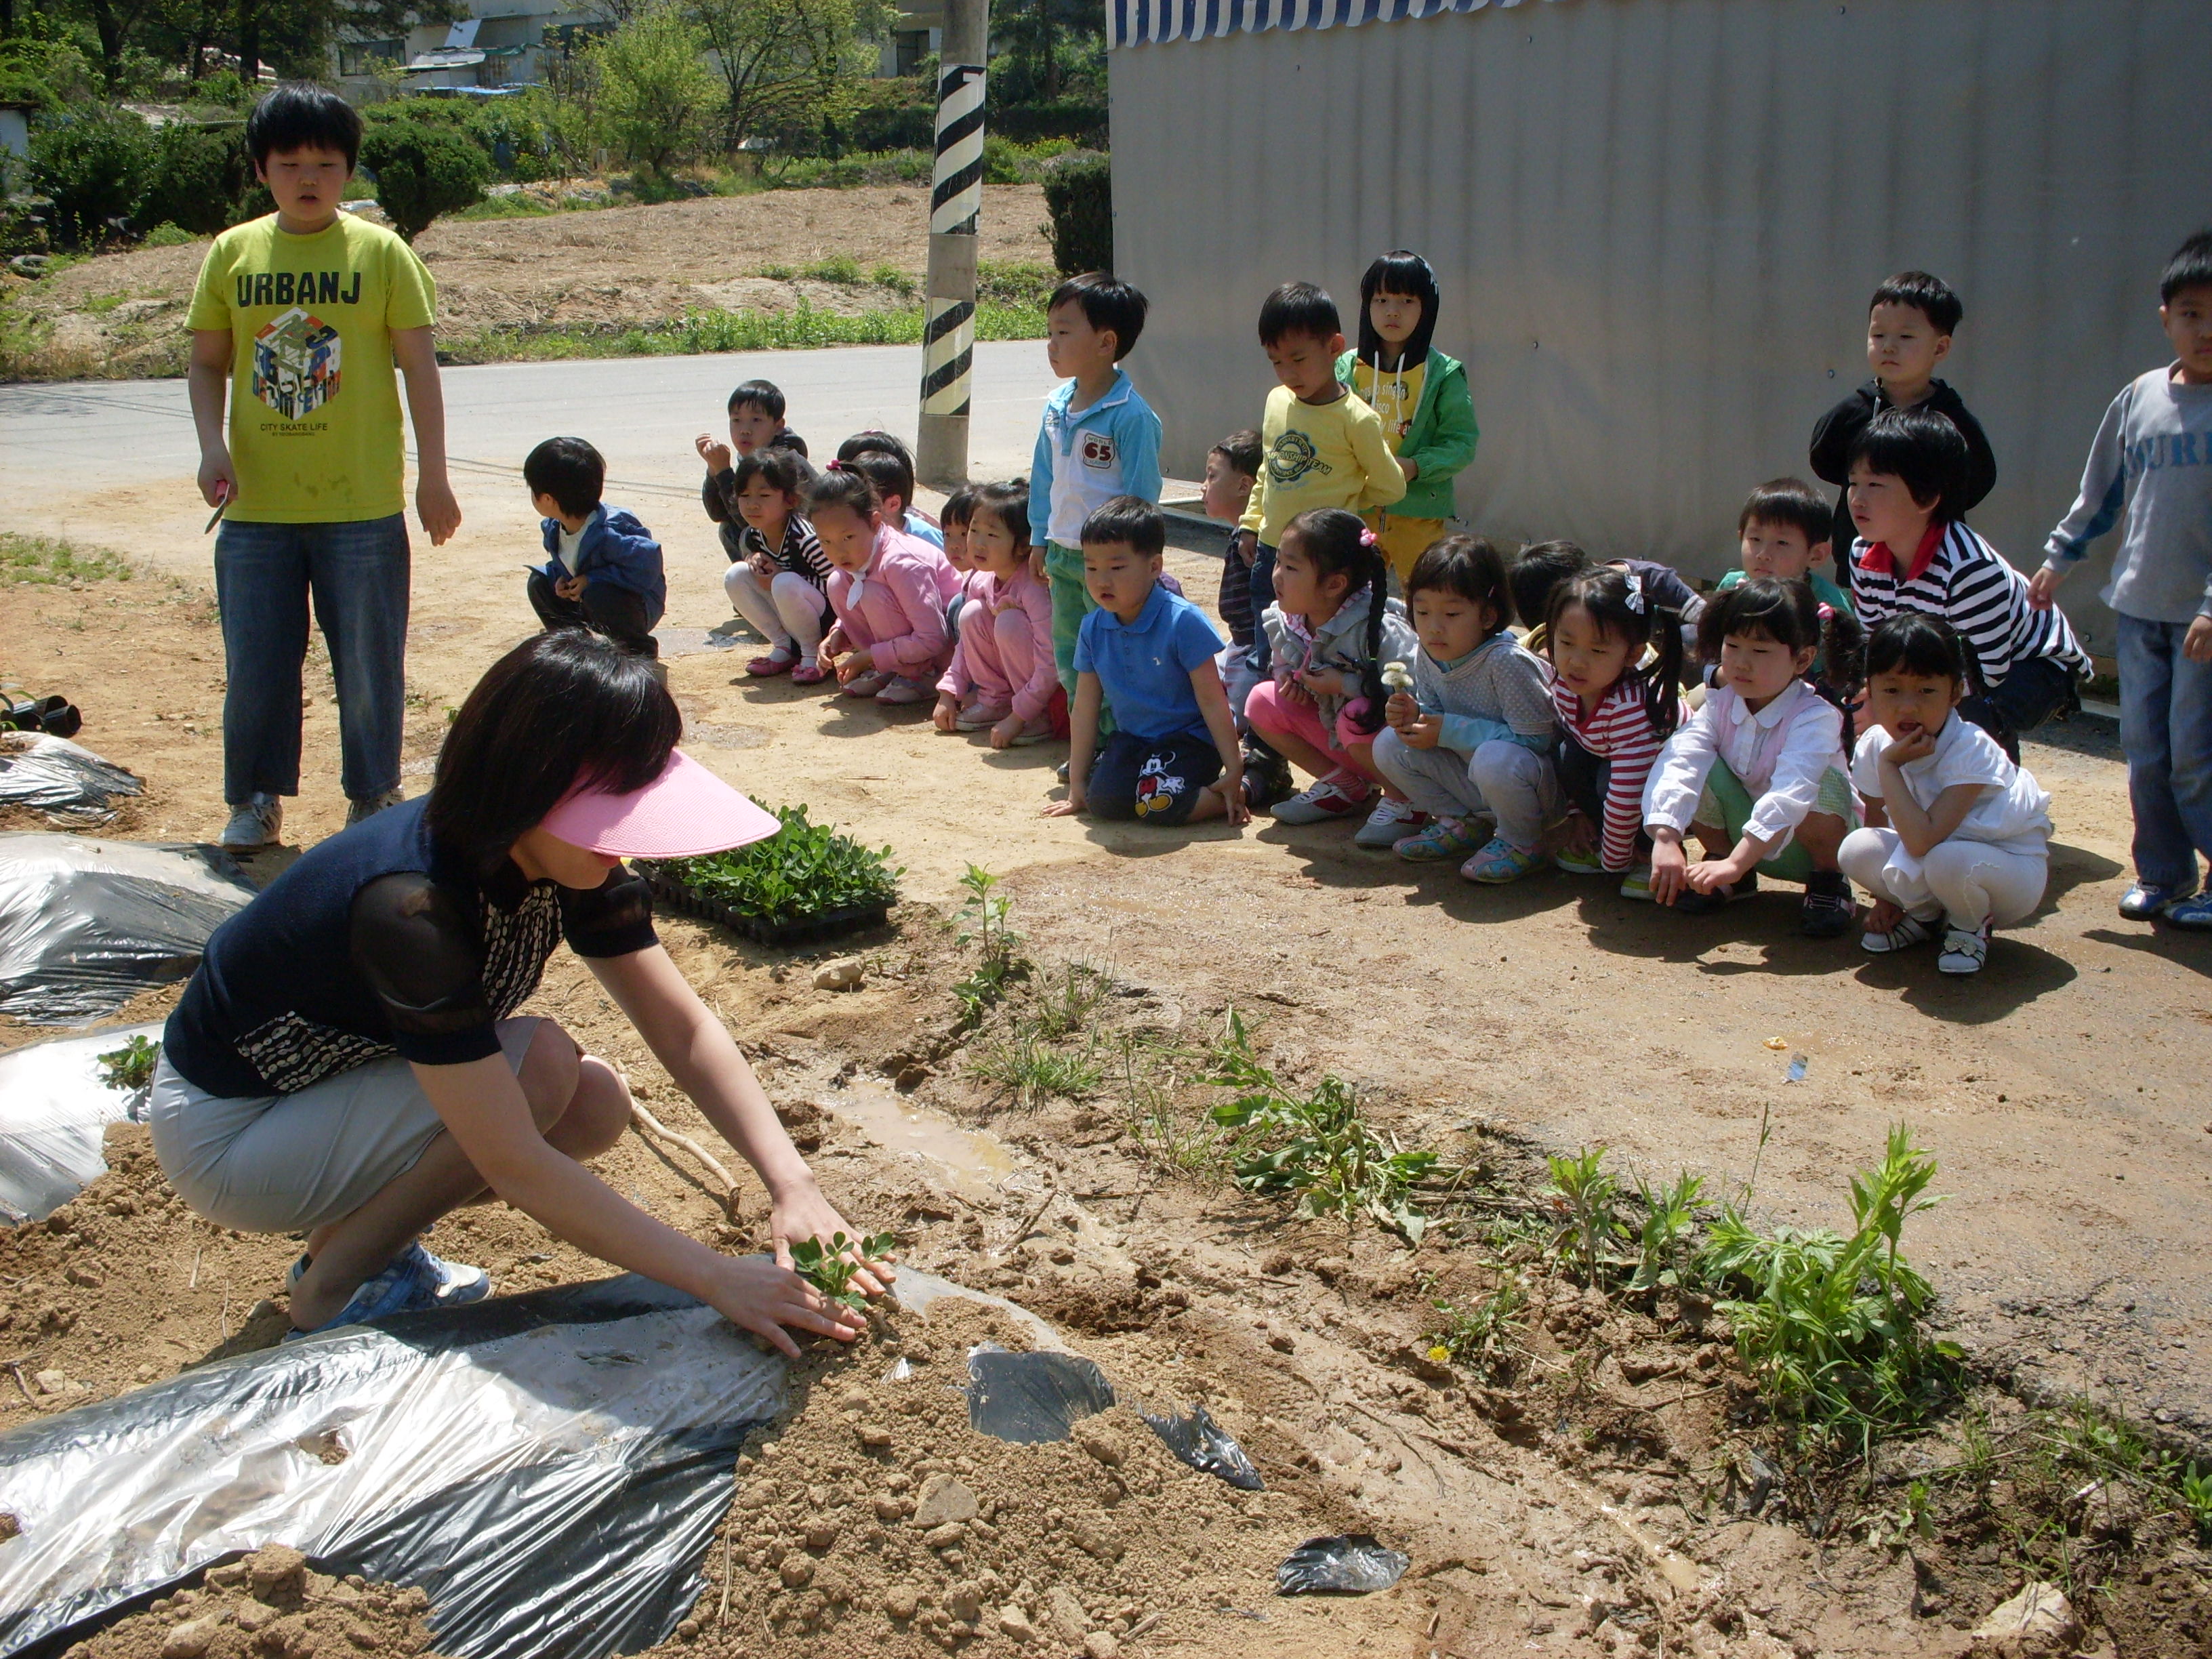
797, 1571
900, 1601
1014, 1624
821, 1532
943, 1499
1067, 1614
948, 1536
52, 1382
188, 1640
845, 973
874, 1434
276, 1573
1101, 1645
85, 1277
2038, 1614
1102, 1444
254, 1615
361, 1636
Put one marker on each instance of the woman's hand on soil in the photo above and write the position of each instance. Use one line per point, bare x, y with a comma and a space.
805, 1213
762, 1297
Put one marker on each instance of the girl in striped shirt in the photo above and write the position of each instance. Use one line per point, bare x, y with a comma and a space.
779, 580
1615, 659
1914, 554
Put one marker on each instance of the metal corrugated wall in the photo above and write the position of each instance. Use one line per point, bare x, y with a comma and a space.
1657, 223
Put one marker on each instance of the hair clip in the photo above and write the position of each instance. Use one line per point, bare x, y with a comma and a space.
1367, 539
1635, 592
835, 466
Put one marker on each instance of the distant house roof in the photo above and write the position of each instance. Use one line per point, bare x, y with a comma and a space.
1134, 22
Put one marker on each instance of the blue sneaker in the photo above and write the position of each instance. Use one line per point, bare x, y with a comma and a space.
446, 1284
2194, 912
411, 1282
2146, 899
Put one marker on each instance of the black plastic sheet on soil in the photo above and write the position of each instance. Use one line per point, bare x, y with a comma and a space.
1343, 1564
549, 1468
1205, 1446
1027, 1398
86, 923
72, 786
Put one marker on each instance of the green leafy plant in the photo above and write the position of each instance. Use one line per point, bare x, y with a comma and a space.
1584, 1193
1028, 1067
803, 870
1320, 1147
840, 269
1079, 194
130, 1067
1829, 1325
998, 960
423, 169
2196, 1496
1480, 1339
1663, 1242
830, 1267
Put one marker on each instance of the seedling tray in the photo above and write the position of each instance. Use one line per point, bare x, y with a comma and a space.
792, 931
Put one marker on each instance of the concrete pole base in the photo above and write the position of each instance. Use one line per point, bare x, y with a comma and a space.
940, 451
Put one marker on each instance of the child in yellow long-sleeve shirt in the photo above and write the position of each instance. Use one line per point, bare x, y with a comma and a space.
1320, 444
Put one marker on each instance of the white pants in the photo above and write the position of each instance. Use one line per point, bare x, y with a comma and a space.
1513, 785
1970, 882
786, 608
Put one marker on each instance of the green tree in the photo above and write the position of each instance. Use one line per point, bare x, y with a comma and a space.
93, 162
423, 169
782, 60
1042, 44
654, 92
199, 177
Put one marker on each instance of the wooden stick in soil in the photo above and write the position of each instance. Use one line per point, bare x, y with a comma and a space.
648, 1124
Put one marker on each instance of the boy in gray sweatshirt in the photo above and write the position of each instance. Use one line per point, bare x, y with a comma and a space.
2152, 462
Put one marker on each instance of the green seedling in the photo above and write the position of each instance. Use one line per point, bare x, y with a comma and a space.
1034, 1072
830, 1267
2196, 1496
1480, 1339
1583, 1192
999, 963
130, 1067
1663, 1243
805, 869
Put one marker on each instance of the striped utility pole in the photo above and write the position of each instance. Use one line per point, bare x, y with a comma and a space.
956, 198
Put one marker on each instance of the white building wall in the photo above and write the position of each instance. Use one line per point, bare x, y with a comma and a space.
1657, 223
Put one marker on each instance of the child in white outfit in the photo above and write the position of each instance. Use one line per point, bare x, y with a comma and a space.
1956, 833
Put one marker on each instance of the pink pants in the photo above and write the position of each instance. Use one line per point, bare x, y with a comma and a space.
1271, 714
1000, 653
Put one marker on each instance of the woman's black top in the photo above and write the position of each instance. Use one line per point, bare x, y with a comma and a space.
380, 942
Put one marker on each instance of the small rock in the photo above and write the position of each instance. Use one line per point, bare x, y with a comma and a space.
821, 1532
845, 973
85, 1277
1281, 1341
188, 1640
1013, 1623
874, 1436
363, 1637
946, 1536
52, 1382
276, 1573
1067, 1614
254, 1615
687, 1630
1102, 1444
900, 1602
943, 1499
2039, 1610
1101, 1645
797, 1571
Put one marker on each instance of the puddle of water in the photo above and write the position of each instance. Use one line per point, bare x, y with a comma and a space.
968, 1161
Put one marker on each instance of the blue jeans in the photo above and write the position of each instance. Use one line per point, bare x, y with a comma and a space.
2166, 731
264, 575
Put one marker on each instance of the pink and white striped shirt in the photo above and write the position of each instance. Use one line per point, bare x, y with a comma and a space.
1619, 730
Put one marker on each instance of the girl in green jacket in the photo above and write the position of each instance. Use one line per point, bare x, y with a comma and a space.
1421, 395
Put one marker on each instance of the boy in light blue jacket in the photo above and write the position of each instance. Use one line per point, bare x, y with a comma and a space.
1098, 441
605, 572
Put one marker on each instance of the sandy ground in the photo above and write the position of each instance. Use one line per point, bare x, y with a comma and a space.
118, 314
2063, 1091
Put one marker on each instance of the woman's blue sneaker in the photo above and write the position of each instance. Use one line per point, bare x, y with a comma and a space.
446, 1284
2194, 912
411, 1282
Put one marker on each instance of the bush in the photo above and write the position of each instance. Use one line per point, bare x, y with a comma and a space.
1079, 194
1029, 124
805, 870
199, 178
423, 169
655, 93
94, 163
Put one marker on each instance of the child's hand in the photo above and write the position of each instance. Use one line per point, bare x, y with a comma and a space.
1074, 806
762, 566
1425, 732
1884, 916
218, 478
853, 664
1668, 866
569, 588
1294, 690
435, 505
1235, 807
712, 450
1036, 563
2197, 643
1402, 711
1411, 469
1003, 733
833, 641
2043, 588
946, 715
1247, 545
1914, 746
1580, 834
1708, 874
1325, 681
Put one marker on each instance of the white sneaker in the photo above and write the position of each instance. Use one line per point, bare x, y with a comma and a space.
900, 689
1964, 950
369, 805
1335, 797
255, 822
1390, 822
981, 716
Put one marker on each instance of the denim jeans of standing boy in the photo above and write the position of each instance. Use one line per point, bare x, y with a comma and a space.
2166, 731
355, 572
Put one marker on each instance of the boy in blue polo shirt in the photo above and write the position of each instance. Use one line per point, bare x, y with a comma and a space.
1147, 655
1098, 439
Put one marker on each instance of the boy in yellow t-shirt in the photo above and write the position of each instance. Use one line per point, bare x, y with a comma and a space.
1319, 445
298, 316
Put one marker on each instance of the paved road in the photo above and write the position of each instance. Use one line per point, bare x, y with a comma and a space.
642, 412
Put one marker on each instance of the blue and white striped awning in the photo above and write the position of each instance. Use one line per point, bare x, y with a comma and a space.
1133, 22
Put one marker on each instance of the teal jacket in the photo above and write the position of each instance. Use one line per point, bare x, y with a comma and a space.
1441, 440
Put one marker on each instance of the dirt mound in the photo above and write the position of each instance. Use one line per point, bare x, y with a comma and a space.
269, 1606
874, 1521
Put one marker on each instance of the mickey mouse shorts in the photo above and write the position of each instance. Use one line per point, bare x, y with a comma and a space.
1151, 780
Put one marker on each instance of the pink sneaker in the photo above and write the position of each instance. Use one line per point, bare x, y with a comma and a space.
809, 673
865, 686
901, 689
981, 716
778, 661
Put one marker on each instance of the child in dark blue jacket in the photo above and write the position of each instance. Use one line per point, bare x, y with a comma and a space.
605, 572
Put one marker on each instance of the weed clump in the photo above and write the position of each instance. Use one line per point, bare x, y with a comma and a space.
805, 870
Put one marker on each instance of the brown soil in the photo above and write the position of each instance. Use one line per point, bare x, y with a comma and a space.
269, 1606
123, 314
1587, 1496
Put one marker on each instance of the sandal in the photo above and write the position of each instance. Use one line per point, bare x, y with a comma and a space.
809, 673
776, 662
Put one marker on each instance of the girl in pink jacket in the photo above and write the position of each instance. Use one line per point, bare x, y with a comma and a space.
888, 589
1002, 679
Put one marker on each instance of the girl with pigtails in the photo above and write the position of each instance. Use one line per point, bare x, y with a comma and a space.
1615, 658
1329, 631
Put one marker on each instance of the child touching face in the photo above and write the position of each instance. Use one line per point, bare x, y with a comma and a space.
1956, 834
888, 590
781, 583
1758, 772
1330, 629
1002, 679
1473, 739
1617, 709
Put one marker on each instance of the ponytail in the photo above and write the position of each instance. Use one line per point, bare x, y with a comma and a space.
1370, 718
1662, 676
